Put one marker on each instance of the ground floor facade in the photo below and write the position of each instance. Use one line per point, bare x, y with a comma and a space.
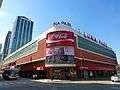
83, 72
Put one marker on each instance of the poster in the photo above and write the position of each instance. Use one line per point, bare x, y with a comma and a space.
64, 50
68, 50
60, 59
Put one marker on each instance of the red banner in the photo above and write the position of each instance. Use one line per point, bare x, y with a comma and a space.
60, 35
61, 43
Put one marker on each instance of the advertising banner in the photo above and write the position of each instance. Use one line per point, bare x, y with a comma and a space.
60, 59
55, 51
68, 50
64, 50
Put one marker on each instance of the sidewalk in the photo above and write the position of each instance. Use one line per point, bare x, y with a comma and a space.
79, 82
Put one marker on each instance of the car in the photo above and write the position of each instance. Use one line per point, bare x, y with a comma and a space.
10, 74
115, 78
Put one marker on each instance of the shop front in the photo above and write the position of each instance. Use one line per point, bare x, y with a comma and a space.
91, 71
33, 70
60, 66
62, 73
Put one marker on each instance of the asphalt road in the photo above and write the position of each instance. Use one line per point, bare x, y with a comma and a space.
26, 84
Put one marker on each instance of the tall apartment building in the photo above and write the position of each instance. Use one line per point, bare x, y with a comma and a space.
22, 33
0, 47
0, 51
6, 44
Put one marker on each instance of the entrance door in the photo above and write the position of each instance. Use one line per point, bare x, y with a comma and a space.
59, 73
56, 74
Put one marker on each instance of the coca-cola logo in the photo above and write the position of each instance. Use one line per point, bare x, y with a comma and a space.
58, 36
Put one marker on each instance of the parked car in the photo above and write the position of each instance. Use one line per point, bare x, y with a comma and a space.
10, 74
115, 78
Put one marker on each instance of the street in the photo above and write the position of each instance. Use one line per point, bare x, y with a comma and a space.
27, 84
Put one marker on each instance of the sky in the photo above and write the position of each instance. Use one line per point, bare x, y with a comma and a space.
101, 18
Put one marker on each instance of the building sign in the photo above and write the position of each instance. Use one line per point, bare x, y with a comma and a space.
60, 38
62, 23
60, 35
94, 39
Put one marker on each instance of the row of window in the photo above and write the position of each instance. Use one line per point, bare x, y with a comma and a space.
23, 52
88, 45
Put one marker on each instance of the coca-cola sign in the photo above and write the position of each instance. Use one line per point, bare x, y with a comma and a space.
60, 35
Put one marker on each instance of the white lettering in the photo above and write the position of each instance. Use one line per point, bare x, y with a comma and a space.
59, 36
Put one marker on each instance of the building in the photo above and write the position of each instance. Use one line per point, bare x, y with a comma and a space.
0, 51
118, 69
64, 53
22, 33
0, 47
0, 56
1, 3
6, 44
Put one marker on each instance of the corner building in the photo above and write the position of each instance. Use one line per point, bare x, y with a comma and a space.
64, 53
